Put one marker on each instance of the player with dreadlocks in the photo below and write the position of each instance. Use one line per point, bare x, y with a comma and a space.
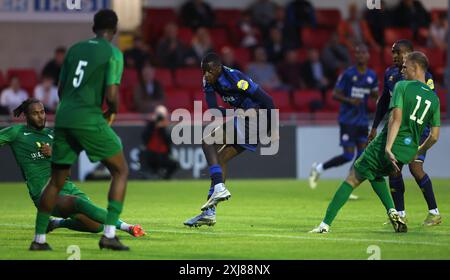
31, 144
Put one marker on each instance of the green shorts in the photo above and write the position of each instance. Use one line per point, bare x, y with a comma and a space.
69, 188
99, 143
373, 163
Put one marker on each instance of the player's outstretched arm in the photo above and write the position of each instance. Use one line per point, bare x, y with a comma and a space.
393, 127
430, 141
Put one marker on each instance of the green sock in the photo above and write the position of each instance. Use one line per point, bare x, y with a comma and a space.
92, 211
114, 210
380, 187
42, 222
77, 225
339, 199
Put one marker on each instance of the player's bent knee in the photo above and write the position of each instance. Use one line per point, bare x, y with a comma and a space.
417, 171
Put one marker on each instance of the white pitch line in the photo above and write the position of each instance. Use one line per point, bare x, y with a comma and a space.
325, 237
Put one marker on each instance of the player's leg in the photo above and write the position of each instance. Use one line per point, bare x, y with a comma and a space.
380, 187
426, 186
397, 188
318, 168
220, 192
79, 203
102, 144
77, 222
118, 169
208, 216
341, 196
360, 147
46, 205
225, 153
348, 142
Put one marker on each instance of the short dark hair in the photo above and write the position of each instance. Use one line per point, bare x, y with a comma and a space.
406, 44
23, 108
210, 60
361, 45
419, 58
105, 19
60, 49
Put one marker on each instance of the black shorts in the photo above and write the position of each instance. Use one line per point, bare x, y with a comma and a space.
240, 133
351, 135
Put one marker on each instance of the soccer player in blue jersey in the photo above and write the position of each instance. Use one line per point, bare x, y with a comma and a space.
240, 92
353, 89
392, 75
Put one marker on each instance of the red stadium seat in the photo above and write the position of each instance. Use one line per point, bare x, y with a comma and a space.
28, 78
304, 98
242, 56
179, 98
154, 22
130, 78
391, 35
436, 57
375, 60
2, 81
282, 101
188, 78
387, 55
436, 12
126, 101
328, 17
198, 95
422, 36
185, 35
227, 17
219, 37
165, 77
330, 103
443, 95
302, 54
315, 37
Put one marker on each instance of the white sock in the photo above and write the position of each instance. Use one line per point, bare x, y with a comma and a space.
110, 231
39, 238
124, 226
219, 187
434, 211
401, 213
56, 221
323, 225
319, 168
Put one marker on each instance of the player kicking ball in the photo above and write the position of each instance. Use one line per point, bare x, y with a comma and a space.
91, 72
353, 89
392, 75
412, 109
32, 148
240, 92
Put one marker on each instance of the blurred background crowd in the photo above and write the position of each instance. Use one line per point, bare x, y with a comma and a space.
294, 51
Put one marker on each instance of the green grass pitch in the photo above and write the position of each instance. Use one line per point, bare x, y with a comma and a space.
265, 219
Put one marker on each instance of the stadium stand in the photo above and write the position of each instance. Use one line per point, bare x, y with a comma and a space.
27, 76
183, 83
